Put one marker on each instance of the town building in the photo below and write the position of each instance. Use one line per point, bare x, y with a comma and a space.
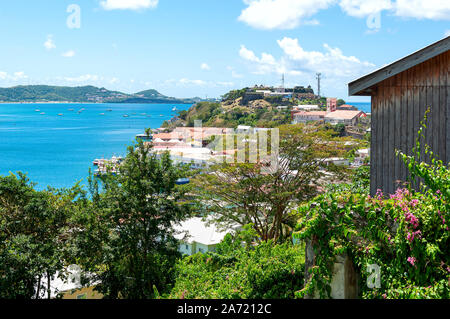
307, 108
344, 117
304, 116
401, 93
199, 236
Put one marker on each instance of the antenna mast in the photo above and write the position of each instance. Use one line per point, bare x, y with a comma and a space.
318, 83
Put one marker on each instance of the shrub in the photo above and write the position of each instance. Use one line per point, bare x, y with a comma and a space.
267, 271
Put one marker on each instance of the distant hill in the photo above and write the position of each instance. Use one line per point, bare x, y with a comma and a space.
47, 93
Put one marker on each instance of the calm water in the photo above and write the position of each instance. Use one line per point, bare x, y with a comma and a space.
365, 107
59, 150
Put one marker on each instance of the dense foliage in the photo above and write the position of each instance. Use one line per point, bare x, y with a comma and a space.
406, 235
265, 271
127, 237
34, 232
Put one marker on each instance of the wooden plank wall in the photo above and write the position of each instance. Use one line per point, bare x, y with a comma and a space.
398, 106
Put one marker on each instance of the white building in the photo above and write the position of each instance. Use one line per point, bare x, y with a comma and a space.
308, 108
197, 236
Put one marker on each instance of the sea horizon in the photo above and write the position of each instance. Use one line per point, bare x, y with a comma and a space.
58, 150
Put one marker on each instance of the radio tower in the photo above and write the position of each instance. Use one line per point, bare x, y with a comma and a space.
318, 83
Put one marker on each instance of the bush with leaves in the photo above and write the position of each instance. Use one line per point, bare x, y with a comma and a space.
239, 271
407, 235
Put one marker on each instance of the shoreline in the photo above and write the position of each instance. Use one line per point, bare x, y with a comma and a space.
88, 103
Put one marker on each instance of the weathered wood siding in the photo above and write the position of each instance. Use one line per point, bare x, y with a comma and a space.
398, 106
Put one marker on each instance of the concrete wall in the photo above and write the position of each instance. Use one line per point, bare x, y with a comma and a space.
344, 284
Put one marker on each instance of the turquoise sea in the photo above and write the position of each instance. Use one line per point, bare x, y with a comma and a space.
363, 106
58, 150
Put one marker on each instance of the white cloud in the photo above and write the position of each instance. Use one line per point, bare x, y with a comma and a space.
331, 62
83, 78
225, 83
185, 81
280, 14
128, 4
337, 69
421, 9
49, 44
205, 67
364, 8
447, 33
16, 76
69, 54
289, 14
265, 64
234, 74
19, 76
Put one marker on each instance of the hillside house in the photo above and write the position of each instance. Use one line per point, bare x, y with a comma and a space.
344, 117
201, 237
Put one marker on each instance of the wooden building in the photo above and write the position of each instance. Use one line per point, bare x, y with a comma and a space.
401, 93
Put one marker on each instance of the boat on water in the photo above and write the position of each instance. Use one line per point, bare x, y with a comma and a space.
174, 108
43, 113
126, 115
109, 110
37, 110
60, 114
102, 113
161, 115
144, 137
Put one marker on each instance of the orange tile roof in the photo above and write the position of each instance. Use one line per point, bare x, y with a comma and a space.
344, 115
311, 113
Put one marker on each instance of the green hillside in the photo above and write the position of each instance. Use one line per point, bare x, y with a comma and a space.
47, 93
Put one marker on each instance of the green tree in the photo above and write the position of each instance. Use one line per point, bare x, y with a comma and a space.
127, 235
251, 193
340, 102
34, 232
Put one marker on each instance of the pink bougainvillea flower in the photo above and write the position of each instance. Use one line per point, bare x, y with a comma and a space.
412, 261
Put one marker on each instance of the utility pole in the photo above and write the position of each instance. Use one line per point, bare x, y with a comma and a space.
318, 83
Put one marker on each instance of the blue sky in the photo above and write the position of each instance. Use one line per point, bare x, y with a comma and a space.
207, 47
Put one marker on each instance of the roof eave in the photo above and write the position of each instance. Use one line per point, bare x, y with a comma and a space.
363, 86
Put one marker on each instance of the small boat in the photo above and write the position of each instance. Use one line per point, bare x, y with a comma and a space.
102, 113
109, 110
174, 109
143, 114
37, 110
43, 113
126, 115
161, 115
60, 114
